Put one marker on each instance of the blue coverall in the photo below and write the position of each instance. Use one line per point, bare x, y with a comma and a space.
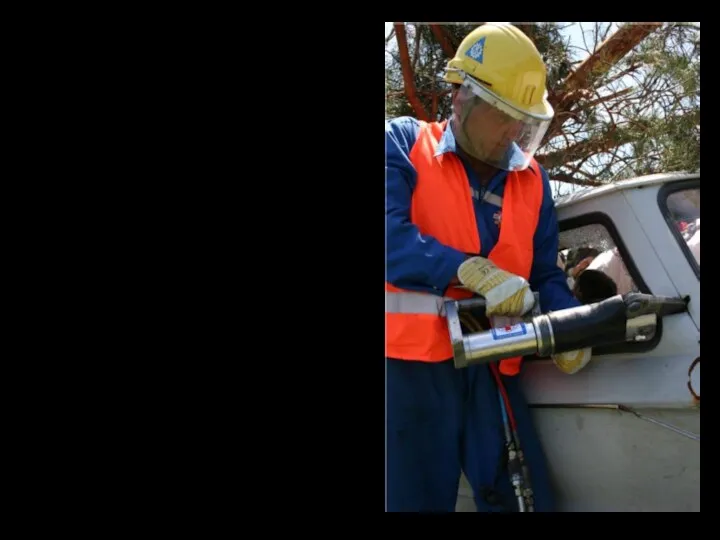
441, 420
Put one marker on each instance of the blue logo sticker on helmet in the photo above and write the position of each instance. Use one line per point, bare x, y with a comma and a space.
476, 51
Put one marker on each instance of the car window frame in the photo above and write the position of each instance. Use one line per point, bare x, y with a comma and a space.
601, 218
663, 193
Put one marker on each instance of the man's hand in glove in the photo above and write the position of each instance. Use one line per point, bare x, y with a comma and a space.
505, 293
572, 361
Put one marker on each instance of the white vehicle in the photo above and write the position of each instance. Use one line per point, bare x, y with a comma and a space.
623, 434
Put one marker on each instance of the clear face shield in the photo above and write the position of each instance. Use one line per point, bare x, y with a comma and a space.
493, 131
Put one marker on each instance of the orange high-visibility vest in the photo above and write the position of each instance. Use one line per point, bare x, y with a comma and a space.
442, 207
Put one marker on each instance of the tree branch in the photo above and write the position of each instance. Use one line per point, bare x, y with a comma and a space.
416, 53
607, 141
443, 39
407, 73
627, 71
440, 94
603, 99
608, 54
597, 64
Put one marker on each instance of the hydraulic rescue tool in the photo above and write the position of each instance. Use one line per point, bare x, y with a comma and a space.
621, 318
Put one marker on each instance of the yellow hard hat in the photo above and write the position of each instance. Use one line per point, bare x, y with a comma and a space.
505, 60
500, 111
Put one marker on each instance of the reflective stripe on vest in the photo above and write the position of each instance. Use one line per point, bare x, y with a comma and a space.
488, 197
442, 207
417, 303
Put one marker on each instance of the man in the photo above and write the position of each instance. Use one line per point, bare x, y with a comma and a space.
467, 205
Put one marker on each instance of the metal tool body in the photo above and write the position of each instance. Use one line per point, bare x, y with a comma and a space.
621, 318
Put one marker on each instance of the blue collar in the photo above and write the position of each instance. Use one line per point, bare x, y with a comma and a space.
447, 142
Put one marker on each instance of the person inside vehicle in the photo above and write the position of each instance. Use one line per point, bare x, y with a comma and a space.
611, 264
608, 262
578, 260
594, 286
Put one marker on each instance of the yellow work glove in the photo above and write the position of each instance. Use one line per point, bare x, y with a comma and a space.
572, 361
505, 293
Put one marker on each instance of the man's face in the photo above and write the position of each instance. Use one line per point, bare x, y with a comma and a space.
489, 130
